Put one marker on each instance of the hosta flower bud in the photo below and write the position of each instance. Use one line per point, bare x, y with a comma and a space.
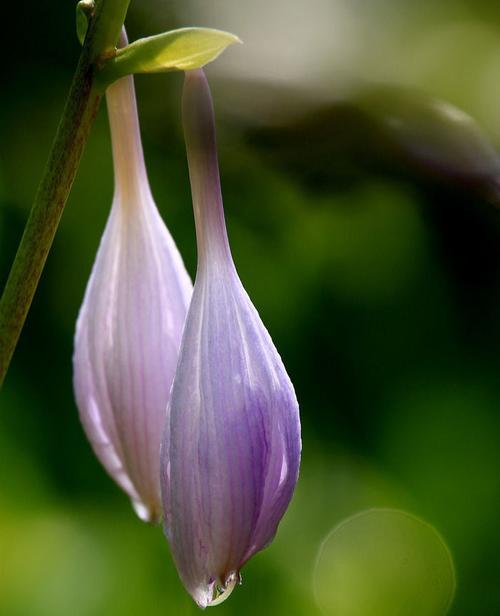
231, 449
130, 324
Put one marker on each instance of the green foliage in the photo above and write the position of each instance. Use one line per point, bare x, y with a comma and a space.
185, 49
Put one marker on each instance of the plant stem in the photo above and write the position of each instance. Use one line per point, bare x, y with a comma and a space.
53, 191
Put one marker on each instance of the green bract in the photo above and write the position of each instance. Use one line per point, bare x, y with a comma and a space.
83, 11
184, 49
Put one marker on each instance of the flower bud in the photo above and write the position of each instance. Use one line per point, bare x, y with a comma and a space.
130, 325
231, 448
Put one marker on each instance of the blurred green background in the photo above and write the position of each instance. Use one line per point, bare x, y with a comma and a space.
364, 223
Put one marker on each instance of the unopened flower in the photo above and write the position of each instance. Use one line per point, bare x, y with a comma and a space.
130, 324
231, 449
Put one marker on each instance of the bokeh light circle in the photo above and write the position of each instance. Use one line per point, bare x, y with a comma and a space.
384, 562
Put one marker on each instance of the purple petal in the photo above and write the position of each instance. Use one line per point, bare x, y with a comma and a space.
231, 448
130, 324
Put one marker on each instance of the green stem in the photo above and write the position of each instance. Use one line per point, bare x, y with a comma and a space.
64, 159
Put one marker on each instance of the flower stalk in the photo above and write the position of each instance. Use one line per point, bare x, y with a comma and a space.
60, 171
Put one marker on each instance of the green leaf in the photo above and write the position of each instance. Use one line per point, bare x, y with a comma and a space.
184, 49
83, 12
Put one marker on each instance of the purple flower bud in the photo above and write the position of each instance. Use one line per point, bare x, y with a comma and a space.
130, 325
231, 449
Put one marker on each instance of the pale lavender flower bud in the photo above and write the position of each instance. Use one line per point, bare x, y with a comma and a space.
231, 448
130, 325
